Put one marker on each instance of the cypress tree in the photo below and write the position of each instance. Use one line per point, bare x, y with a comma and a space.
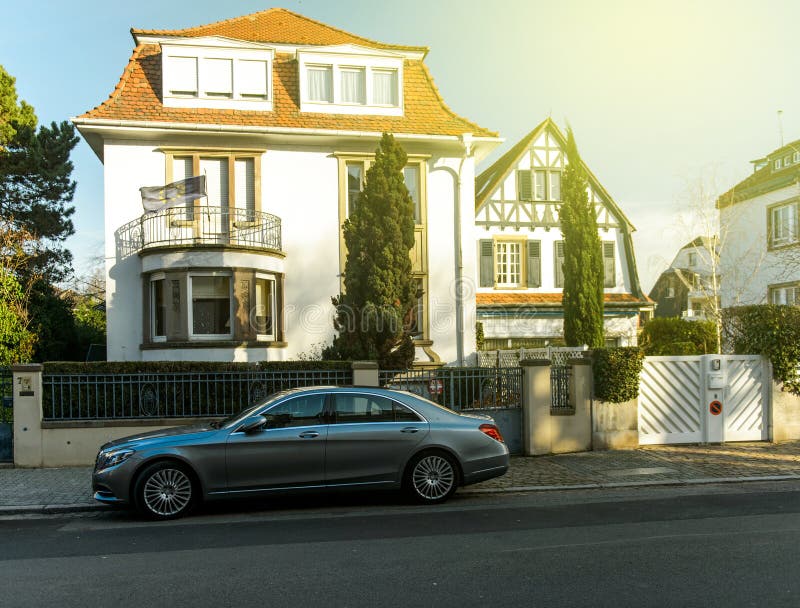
583, 256
373, 313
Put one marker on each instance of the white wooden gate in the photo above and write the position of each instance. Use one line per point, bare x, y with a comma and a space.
676, 396
669, 400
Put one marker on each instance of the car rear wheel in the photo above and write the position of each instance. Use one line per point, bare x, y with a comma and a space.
431, 477
165, 490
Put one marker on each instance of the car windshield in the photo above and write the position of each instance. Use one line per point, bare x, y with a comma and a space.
238, 417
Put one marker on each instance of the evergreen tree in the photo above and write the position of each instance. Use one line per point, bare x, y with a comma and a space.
35, 181
373, 313
583, 256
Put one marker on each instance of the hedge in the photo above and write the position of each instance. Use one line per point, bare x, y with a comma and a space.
154, 367
769, 330
616, 373
674, 336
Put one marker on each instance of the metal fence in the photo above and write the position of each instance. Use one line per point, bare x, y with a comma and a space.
460, 388
6, 395
560, 376
558, 355
170, 395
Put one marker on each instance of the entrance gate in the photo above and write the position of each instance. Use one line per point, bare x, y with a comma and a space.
6, 416
709, 398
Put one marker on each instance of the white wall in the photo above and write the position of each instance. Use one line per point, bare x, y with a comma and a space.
300, 186
746, 266
533, 325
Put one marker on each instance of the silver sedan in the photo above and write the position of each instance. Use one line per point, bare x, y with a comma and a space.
300, 440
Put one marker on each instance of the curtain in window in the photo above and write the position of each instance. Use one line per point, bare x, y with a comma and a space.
384, 87
353, 83
319, 84
245, 186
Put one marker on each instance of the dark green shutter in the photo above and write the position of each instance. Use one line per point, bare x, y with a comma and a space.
534, 264
524, 185
486, 264
609, 270
559, 263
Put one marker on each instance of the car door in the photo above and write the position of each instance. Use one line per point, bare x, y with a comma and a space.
288, 451
370, 438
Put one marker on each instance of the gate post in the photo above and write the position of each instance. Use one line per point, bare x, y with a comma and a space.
365, 373
27, 387
712, 375
536, 435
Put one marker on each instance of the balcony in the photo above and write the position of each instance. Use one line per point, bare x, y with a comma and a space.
217, 227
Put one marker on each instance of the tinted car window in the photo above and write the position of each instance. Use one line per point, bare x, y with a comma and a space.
300, 411
403, 414
351, 407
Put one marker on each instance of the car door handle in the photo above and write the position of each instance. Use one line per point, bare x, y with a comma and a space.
308, 435
409, 429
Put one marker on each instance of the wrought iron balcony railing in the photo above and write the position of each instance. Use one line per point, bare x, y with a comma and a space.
200, 226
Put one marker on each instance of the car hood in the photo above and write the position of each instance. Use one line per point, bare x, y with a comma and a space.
152, 437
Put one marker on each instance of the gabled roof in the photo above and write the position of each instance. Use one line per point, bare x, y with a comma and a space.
278, 26
137, 96
491, 178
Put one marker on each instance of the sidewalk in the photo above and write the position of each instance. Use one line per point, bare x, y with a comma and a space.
69, 489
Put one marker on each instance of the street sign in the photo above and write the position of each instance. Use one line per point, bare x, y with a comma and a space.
435, 386
715, 407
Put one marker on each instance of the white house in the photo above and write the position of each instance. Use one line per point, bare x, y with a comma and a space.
760, 258
689, 288
282, 114
520, 249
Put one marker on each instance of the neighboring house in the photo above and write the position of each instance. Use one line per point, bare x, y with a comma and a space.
761, 257
282, 114
520, 249
689, 288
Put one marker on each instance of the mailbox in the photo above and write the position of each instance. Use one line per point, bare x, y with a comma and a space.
716, 380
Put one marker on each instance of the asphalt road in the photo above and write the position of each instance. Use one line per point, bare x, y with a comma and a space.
731, 545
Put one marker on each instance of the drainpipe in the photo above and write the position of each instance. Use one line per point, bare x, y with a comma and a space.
466, 141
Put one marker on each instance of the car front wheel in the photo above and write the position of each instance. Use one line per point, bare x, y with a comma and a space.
165, 490
431, 477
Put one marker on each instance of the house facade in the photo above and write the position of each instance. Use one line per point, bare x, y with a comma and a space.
689, 288
760, 259
519, 249
282, 115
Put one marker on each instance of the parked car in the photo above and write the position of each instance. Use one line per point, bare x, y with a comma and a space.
299, 440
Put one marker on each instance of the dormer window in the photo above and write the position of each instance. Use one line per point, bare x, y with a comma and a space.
796, 157
350, 80
216, 73
777, 164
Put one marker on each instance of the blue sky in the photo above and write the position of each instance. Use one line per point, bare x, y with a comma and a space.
659, 93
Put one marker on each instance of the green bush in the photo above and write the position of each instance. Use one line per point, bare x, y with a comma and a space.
616, 373
769, 330
674, 336
155, 367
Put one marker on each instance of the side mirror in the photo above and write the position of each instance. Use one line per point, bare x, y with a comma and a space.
252, 423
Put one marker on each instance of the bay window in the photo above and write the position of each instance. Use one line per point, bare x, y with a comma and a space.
158, 308
263, 315
210, 309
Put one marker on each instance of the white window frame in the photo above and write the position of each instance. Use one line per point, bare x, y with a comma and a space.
777, 164
210, 48
350, 58
790, 238
354, 69
190, 306
160, 276
796, 157
503, 263
270, 337
773, 290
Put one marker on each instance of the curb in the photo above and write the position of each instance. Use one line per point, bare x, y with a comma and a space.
633, 484
56, 509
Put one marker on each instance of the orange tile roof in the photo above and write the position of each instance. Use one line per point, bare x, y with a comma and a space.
137, 96
501, 298
278, 26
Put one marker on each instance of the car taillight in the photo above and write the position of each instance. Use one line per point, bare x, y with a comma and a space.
492, 431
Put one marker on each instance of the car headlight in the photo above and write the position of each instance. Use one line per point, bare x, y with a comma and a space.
112, 458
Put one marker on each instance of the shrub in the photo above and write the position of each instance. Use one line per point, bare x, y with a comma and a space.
769, 330
616, 373
674, 336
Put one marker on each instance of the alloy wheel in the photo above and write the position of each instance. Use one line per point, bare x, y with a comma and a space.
433, 477
167, 492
